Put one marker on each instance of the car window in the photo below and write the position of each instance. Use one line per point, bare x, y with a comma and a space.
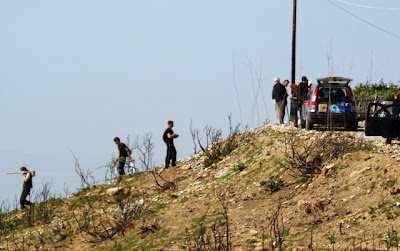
337, 94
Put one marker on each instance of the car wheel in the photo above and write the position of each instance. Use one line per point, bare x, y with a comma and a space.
353, 126
309, 124
302, 124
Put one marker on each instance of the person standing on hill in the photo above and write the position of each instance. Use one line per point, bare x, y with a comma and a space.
303, 91
26, 187
286, 94
396, 98
294, 106
278, 94
396, 101
168, 138
123, 153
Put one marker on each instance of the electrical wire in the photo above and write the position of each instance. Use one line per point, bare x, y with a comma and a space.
368, 6
359, 18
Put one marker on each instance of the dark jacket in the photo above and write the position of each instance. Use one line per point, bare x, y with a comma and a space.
278, 92
303, 89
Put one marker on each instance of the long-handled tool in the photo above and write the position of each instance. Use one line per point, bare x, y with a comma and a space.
32, 172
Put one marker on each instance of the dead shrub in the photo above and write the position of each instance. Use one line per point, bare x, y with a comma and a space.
216, 147
276, 228
145, 150
86, 176
305, 156
210, 234
99, 221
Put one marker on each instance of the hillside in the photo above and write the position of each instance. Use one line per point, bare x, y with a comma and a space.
277, 186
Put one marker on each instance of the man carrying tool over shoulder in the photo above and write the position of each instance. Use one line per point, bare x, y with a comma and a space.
26, 188
123, 153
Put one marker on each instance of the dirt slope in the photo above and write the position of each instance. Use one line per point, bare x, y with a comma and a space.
274, 194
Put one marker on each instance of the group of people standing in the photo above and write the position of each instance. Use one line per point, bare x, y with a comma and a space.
297, 95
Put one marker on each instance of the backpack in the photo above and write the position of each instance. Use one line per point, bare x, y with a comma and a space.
165, 136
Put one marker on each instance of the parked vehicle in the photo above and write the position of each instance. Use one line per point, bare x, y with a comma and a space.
331, 103
383, 120
362, 105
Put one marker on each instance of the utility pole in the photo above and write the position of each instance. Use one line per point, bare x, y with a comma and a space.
294, 43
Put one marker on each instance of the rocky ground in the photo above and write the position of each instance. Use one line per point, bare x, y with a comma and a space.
280, 186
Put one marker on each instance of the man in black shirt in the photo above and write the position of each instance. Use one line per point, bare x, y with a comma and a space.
26, 187
168, 138
279, 95
123, 153
303, 91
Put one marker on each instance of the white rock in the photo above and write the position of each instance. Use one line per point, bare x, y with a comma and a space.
330, 166
253, 232
185, 167
114, 190
222, 172
353, 173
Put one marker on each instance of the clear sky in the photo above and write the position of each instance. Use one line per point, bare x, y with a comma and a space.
75, 74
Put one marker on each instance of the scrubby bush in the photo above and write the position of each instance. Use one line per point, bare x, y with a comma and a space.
217, 148
210, 233
98, 221
306, 157
274, 184
368, 92
240, 166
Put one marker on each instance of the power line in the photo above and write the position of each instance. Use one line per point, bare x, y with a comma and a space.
365, 21
367, 6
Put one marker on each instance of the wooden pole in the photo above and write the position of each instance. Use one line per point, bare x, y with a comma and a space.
32, 172
294, 42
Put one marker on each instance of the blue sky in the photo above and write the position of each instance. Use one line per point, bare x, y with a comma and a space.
75, 74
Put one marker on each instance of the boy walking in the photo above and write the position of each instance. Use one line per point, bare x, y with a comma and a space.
123, 153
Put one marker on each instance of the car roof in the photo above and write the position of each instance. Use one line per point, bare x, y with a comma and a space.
334, 81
